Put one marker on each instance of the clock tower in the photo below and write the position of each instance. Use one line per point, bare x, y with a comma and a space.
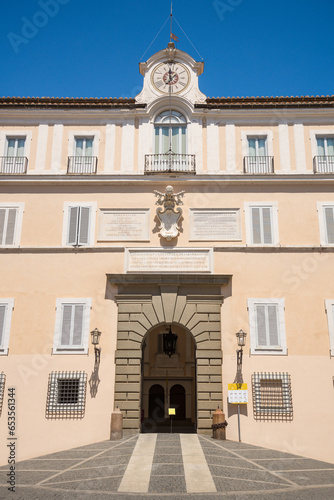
171, 72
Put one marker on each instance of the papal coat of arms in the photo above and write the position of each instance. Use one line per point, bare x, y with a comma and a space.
169, 216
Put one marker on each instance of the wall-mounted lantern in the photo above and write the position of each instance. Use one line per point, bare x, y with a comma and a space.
96, 334
169, 342
241, 336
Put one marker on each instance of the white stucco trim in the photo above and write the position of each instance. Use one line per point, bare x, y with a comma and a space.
284, 147
254, 348
274, 221
18, 222
109, 153
57, 145
83, 349
298, 130
93, 206
9, 303
230, 147
329, 308
42, 142
322, 224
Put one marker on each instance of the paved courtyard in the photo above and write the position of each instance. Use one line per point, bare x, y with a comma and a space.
170, 466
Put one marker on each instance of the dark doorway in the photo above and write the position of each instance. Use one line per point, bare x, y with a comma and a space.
156, 403
178, 401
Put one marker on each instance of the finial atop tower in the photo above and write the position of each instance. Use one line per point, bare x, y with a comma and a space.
170, 52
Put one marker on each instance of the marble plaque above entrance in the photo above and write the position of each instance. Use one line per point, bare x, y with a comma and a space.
160, 260
124, 225
221, 224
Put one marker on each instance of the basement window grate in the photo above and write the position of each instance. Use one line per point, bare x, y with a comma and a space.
272, 397
66, 395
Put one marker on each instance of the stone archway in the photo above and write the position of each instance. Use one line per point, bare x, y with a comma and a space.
148, 300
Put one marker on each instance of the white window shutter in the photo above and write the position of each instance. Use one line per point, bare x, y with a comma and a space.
2, 224
256, 225
73, 225
273, 326
78, 324
261, 325
83, 238
10, 233
267, 232
329, 217
2, 323
66, 325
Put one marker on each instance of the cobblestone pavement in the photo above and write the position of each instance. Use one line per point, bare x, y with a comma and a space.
170, 466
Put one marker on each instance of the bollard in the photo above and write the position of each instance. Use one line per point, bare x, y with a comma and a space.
116, 425
219, 425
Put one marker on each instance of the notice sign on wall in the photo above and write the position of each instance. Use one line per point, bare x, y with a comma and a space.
237, 394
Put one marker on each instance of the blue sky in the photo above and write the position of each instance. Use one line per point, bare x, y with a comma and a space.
79, 48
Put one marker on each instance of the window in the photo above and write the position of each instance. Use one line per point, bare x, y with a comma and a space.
257, 146
79, 224
83, 151
14, 161
329, 305
324, 161
6, 308
272, 397
83, 161
267, 326
72, 326
325, 146
170, 129
10, 223
2, 389
261, 223
66, 395
257, 151
326, 222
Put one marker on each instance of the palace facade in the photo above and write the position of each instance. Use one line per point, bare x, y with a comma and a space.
167, 213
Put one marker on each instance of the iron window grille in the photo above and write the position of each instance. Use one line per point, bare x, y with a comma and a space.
272, 396
2, 389
66, 395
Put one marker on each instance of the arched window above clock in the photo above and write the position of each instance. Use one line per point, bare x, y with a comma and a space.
170, 132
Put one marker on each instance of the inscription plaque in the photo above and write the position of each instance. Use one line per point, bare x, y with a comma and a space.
123, 225
181, 260
215, 225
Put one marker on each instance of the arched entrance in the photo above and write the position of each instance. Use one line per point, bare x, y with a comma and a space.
148, 302
168, 382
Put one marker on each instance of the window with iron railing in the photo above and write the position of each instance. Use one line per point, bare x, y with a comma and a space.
14, 161
83, 161
258, 161
170, 145
324, 160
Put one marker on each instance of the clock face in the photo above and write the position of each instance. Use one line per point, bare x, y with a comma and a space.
173, 78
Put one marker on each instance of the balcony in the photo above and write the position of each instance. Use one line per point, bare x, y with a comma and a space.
323, 164
258, 164
170, 163
13, 165
82, 165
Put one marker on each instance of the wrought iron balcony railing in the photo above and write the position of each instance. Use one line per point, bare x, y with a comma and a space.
259, 164
82, 165
324, 164
170, 162
13, 165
